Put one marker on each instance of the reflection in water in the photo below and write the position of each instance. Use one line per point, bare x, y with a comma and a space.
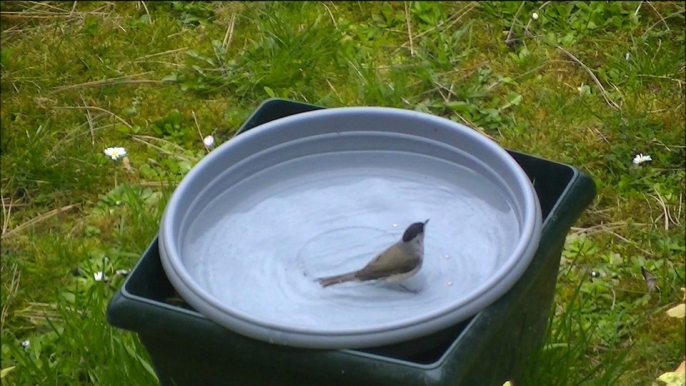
261, 244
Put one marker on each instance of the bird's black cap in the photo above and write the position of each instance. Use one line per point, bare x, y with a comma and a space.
414, 230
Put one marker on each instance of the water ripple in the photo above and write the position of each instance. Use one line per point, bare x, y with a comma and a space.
260, 246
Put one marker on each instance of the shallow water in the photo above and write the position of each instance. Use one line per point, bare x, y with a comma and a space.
260, 245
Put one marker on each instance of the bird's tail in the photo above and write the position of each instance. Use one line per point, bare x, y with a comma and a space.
331, 280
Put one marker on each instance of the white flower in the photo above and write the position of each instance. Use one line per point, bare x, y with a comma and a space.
25, 344
627, 56
640, 158
534, 16
99, 276
122, 272
115, 152
208, 141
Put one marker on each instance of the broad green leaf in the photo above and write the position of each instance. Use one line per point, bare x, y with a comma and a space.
5, 371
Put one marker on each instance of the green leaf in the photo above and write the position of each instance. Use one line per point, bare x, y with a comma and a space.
122, 129
6, 54
130, 111
567, 39
458, 106
551, 38
171, 78
70, 297
269, 92
174, 117
5, 371
508, 80
512, 102
516, 100
142, 361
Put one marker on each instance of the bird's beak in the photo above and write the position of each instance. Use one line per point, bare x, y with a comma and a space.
427, 221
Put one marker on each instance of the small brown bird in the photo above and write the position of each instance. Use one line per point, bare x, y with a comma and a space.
400, 261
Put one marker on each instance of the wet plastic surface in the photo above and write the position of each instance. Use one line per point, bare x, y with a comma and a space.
261, 245
487, 349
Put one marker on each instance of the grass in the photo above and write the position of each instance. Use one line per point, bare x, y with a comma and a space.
588, 84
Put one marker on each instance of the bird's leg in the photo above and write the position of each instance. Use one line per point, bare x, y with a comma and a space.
406, 289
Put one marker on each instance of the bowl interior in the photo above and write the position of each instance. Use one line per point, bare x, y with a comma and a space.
261, 244
257, 221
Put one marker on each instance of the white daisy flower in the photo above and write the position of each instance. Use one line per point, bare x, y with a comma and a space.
640, 158
534, 16
115, 152
25, 344
99, 276
122, 272
208, 141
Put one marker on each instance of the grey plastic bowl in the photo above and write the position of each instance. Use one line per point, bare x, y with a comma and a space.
256, 222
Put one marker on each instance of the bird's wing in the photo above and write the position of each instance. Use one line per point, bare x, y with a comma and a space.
390, 262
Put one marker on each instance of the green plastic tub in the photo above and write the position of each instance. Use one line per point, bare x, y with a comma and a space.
487, 349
